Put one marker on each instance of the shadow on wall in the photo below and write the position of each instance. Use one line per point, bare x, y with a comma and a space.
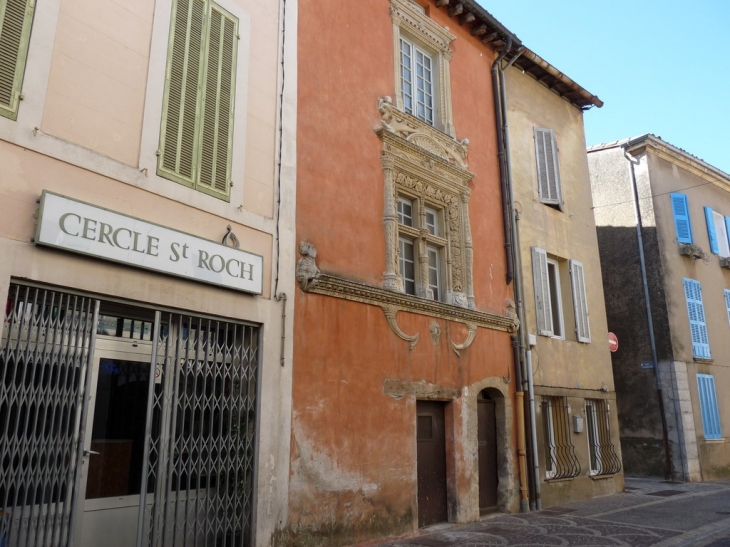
640, 423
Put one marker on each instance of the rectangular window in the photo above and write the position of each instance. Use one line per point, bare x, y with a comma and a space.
434, 271
405, 212
602, 454
556, 304
580, 302
407, 265
432, 222
682, 223
560, 459
548, 173
417, 81
713, 235
16, 18
708, 406
197, 117
696, 313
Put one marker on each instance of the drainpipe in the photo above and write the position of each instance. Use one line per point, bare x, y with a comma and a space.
499, 112
650, 323
526, 353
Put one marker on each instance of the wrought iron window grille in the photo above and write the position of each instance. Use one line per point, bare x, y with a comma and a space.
560, 459
603, 457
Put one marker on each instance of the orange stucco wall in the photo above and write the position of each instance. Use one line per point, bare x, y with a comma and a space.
353, 469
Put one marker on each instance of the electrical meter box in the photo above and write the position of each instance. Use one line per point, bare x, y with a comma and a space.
577, 423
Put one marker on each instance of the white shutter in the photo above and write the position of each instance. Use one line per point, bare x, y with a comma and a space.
548, 174
543, 309
580, 302
696, 313
727, 302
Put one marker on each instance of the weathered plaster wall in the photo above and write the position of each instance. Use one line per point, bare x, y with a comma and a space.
353, 473
638, 404
564, 366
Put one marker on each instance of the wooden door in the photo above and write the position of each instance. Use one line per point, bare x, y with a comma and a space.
431, 441
487, 440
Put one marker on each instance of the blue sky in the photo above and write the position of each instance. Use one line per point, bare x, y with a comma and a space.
660, 66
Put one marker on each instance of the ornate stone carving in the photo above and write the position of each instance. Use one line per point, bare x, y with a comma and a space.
338, 287
466, 343
421, 134
435, 173
407, 19
512, 312
435, 331
307, 270
390, 313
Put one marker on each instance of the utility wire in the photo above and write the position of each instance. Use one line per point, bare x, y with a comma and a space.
652, 195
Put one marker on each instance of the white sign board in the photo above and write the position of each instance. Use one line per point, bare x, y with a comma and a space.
78, 227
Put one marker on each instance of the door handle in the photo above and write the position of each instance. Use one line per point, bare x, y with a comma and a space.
90, 452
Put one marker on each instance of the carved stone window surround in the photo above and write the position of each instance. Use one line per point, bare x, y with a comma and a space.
430, 168
416, 26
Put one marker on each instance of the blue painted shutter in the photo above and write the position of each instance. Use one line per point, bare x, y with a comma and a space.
708, 406
727, 229
711, 230
727, 303
696, 312
681, 218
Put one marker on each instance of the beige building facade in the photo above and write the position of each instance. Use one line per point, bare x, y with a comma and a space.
662, 217
147, 238
564, 322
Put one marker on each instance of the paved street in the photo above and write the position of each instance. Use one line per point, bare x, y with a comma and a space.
650, 512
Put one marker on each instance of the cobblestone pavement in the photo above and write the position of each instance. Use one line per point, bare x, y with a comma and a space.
650, 512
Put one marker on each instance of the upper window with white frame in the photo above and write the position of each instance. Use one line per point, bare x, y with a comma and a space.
422, 52
548, 171
16, 19
421, 248
197, 116
718, 227
549, 296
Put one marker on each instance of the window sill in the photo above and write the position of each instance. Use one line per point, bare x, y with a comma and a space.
602, 477
715, 441
703, 360
567, 479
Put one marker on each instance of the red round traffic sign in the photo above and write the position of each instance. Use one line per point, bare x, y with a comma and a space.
612, 342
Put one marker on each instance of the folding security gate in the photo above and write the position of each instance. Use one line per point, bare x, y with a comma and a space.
196, 461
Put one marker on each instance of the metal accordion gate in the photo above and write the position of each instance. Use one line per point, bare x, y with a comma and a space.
199, 455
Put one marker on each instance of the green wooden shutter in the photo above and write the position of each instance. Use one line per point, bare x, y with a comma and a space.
16, 18
179, 134
216, 139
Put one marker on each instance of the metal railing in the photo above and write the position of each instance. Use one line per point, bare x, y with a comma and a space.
603, 457
560, 459
47, 342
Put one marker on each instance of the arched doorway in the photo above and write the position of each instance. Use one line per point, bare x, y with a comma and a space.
487, 443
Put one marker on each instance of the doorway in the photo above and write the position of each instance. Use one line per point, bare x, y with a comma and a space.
487, 443
122, 425
114, 442
431, 463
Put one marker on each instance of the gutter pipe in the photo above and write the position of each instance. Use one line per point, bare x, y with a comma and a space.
526, 353
649, 320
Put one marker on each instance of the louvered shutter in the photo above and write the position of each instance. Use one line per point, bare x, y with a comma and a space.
548, 175
708, 406
16, 18
580, 302
543, 309
727, 304
217, 110
696, 313
682, 222
179, 134
711, 234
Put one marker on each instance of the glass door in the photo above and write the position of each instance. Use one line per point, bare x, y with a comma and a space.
114, 442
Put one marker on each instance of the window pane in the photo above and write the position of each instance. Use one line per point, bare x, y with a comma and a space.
555, 300
405, 212
432, 222
434, 272
407, 265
